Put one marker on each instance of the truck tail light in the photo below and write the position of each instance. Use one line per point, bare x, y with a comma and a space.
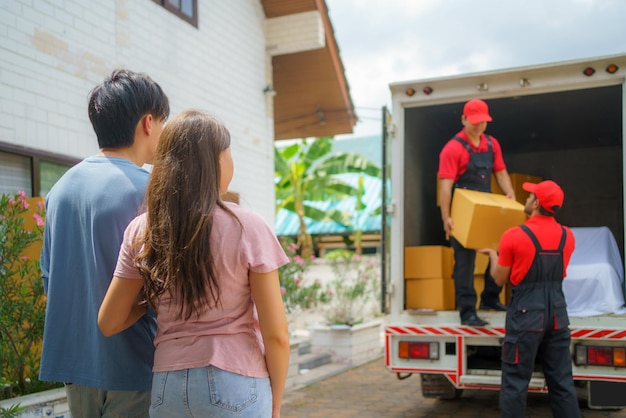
599, 356
418, 350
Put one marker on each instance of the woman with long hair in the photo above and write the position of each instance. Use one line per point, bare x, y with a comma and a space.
210, 270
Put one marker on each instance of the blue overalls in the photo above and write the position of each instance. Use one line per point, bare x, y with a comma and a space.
477, 177
537, 327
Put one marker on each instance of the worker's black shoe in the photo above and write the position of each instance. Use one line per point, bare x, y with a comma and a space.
497, 306
474, 321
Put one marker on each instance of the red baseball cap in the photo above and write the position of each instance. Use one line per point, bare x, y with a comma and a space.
476, 111
549, 194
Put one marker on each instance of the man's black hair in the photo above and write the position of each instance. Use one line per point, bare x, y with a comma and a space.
118, 104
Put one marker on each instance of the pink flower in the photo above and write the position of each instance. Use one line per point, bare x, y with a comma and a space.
24, 258
293, 246
38, 219
283, 291
356, 257
298, 260
312, 257
297, 280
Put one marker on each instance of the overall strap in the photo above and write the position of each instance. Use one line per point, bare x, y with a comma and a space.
488, 142
535, 241
464, 143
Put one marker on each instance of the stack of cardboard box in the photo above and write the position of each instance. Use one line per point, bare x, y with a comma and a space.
479, 221
428, 277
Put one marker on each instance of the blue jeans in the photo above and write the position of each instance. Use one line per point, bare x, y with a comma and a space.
209, 392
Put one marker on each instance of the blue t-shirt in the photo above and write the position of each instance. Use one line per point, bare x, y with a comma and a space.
87, 212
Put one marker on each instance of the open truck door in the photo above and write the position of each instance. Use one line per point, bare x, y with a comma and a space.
387, 210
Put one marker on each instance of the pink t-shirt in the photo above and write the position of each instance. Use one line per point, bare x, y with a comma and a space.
229, 337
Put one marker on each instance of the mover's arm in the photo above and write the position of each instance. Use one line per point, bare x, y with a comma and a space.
504, 181
499, 273
445, 198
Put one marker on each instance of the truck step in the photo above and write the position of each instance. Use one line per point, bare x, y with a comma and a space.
468, 379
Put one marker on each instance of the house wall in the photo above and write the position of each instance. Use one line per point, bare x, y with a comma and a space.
52, 53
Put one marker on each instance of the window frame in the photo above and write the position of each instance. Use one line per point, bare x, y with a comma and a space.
193, 20
35, 157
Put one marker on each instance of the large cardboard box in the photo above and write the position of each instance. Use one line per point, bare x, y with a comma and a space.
516, 181
428, 262
436, 294
480, 218
482, 261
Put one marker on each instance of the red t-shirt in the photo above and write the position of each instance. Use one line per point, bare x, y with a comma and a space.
454, 158
516, 249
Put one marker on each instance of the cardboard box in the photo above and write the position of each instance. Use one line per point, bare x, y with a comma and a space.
480, 218
479, 285
436, 294
516, 181
482, 260
428, 262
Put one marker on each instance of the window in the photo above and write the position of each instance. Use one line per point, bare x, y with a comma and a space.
32, 171
15, 174
49, 173
185, 9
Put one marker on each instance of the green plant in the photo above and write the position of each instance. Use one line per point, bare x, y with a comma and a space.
300, 293
305, 173
12, 412
355, 284
22, 300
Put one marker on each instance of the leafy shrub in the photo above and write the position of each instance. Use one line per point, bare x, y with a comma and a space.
300, 293
356, 282
22, 300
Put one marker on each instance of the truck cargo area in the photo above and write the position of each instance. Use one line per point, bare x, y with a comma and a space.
562, 121
572, 137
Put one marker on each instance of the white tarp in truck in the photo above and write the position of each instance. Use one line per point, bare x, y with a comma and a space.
595, 276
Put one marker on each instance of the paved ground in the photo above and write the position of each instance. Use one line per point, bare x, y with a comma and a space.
370, 391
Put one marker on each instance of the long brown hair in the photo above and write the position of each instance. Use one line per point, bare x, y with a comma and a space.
182, 193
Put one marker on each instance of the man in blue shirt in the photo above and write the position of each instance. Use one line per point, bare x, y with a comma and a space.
87, 212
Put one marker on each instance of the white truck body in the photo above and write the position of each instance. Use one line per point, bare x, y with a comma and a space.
552, 120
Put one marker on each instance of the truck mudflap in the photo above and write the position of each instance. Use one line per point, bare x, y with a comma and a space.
438, 386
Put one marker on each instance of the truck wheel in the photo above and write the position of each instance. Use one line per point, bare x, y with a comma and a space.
438, 386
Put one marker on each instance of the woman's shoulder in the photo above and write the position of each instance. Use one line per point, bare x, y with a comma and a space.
245, 215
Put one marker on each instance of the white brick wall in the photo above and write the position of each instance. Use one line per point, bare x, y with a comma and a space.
53, 52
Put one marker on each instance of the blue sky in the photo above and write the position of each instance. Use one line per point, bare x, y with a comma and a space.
387, 41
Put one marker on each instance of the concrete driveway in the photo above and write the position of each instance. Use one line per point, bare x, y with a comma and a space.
371, 391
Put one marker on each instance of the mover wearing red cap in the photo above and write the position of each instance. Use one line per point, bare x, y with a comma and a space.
548, 193
476, 111
534, 257
467, 161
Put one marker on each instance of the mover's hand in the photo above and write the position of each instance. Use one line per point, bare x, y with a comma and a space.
487, 251
511, 195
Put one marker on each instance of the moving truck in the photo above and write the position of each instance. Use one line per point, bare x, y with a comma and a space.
563, 121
